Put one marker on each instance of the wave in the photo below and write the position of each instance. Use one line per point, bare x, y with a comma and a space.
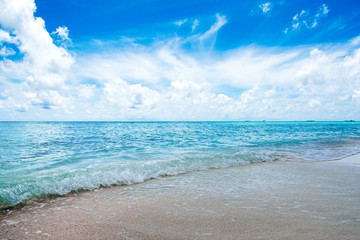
123, 173
45, 159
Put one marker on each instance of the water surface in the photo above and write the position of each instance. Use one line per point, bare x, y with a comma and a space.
39, 158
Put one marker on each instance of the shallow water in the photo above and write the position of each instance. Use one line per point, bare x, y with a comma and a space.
57, 157
278, 200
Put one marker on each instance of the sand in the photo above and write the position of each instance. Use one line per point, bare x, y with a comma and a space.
278, 200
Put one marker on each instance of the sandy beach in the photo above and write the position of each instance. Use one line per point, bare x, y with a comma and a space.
278, 200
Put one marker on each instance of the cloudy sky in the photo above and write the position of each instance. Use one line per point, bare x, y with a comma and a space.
179, 60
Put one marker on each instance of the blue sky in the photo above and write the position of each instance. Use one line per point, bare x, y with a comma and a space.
179, 60
247, 22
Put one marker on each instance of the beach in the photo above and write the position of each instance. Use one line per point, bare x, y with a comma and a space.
154, 120
276, 200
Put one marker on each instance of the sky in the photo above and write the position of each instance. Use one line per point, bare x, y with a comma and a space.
142, 60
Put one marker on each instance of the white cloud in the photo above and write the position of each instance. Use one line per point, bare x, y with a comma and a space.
296, 25
265, 7
355, 41
260, 83
220, 21
46, 99
180, 22
356, 96
86, 91
165, 82
304, 13
124, 95
305, 19
194, 25
5, 37
44, 65
323, 10
4, 51
63, 33
314, 24
208, 38
44, 61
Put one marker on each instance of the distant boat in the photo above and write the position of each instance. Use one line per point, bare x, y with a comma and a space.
349, 120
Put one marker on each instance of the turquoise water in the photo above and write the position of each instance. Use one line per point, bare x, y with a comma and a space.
38, 158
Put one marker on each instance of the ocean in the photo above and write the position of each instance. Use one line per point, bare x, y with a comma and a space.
38, 159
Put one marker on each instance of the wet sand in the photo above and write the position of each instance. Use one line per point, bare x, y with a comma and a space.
279, 200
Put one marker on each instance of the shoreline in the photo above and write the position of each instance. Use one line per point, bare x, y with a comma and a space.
276, 200
49, 196
352, 159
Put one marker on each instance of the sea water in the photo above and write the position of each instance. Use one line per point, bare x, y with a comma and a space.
42, 158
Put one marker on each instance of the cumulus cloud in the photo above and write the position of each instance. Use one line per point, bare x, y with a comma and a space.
62, 33
124, 95
42, 65
5, 37
165, 81
246, 83
4, 51
46, 99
